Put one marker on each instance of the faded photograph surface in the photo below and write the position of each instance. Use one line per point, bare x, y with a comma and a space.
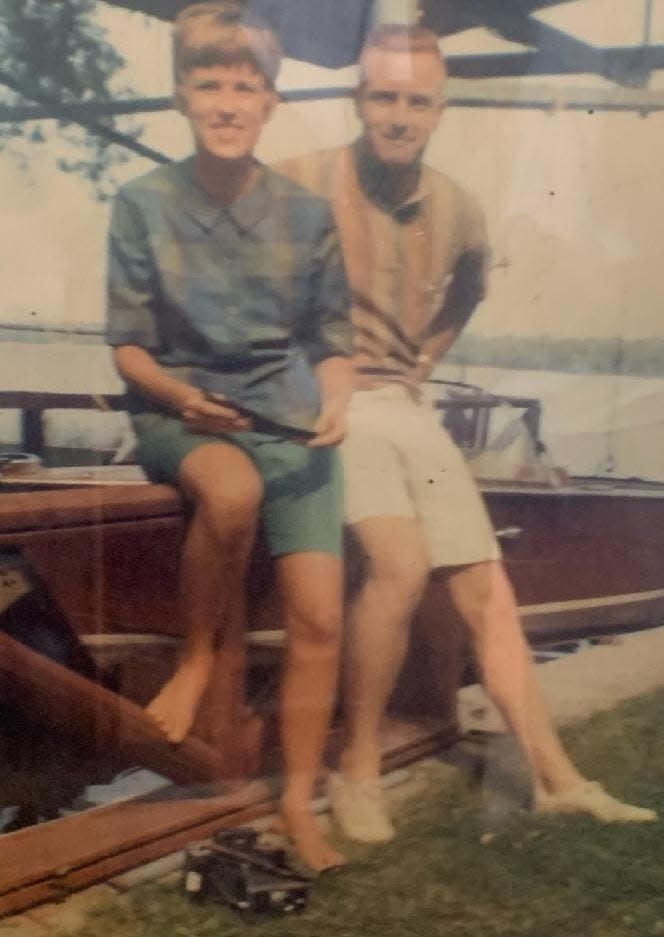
331, 478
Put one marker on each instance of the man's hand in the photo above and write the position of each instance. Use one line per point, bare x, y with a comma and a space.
201, 414
420, 372
330, 427
335, 378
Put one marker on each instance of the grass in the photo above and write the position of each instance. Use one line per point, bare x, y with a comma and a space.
460, 870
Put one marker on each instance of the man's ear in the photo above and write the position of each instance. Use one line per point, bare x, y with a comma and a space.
357, 100
272, 99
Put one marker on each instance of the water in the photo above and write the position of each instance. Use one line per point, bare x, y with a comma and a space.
591, 423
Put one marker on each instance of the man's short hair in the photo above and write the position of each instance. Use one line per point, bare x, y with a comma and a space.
400, 37
223, 32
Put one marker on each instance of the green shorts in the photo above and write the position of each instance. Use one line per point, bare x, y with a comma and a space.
302, 507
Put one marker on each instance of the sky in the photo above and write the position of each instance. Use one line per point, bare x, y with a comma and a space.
574, 202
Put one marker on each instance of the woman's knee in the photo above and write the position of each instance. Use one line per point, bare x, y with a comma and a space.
314, 624
224, 483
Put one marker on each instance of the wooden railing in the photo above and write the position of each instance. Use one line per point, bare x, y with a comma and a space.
33, 404
470, 428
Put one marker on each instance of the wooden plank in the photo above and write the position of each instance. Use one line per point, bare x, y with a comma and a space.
56, 858
110, 577
43, 510
19, 475
51, 860
101, 718
95, 834
35, 401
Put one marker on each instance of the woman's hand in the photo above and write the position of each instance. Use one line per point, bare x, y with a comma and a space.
330, 427
211, 414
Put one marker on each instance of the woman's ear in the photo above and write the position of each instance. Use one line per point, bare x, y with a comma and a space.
179, 100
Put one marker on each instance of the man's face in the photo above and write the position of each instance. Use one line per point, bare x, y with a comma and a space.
226, 106
400, 103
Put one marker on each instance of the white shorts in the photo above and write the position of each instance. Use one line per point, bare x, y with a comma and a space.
400, 462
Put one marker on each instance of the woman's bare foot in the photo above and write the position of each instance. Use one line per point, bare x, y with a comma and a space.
310, 845
174, 708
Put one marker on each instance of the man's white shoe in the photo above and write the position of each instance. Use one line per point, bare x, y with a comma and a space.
359, 809
591, 798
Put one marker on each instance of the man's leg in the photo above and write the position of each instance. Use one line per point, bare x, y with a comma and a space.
383, 424
376, 644
226, 490
311, 586
484, 598
378, 633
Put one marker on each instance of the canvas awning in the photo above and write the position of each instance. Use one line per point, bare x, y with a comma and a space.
331, 34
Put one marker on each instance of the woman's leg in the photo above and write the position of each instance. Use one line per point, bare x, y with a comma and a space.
226, 490
311, 588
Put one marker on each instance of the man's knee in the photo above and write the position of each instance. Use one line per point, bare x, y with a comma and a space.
483, 594
401, 573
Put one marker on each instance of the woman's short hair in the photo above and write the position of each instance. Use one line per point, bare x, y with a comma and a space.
223, 32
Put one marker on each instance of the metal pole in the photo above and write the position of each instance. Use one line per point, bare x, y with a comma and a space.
647, 22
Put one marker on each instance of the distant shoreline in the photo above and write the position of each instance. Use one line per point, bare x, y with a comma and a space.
643, 357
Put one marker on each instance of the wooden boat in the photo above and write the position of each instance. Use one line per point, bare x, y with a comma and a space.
584, 556
584, 553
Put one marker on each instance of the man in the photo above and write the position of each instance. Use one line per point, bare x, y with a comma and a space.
227, 295
415, 250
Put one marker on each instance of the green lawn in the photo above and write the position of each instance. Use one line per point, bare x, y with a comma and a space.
458, 870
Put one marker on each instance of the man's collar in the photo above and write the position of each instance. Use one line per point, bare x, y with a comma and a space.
247, 211
368, 172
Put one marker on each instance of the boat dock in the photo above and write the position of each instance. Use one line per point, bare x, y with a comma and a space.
594, 679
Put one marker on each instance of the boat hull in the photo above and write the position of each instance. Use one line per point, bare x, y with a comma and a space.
586, 558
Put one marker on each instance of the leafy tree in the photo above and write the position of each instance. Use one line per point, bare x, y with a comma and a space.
53, 51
